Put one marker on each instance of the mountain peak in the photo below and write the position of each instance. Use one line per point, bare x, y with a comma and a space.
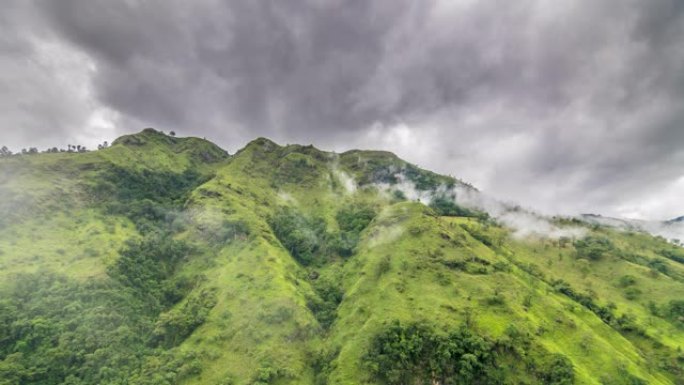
262, 142
145, 136
198, 149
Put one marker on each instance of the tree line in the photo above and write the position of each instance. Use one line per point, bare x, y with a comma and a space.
71, 148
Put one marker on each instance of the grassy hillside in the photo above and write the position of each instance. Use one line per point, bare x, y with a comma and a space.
164, 260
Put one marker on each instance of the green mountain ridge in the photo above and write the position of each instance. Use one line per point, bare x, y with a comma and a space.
164, 260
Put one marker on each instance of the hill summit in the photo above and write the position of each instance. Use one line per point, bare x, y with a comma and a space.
166, 260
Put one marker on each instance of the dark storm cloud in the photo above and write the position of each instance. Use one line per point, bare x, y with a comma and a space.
565, 105
264, 65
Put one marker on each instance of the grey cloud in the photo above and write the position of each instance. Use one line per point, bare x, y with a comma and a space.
45, 92
564, 106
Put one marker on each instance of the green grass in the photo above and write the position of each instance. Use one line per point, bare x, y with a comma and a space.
410, 265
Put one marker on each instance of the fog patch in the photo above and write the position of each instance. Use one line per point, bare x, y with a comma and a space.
385, 235
347, 181
286, 197
408, 189
528, 224
672, 231
213, 225
524, 223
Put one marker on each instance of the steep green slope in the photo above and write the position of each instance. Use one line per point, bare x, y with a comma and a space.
51, 205
163, 260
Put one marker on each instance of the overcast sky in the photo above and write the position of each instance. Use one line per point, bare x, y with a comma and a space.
565, 106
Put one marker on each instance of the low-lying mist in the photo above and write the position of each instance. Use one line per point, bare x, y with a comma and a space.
524, 223
672, 231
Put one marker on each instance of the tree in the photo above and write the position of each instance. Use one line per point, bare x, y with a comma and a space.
172, 133
4, 151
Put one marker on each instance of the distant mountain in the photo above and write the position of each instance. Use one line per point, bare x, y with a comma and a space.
165, 260
678, 219
672, 230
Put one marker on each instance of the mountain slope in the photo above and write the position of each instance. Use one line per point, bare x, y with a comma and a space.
164, 260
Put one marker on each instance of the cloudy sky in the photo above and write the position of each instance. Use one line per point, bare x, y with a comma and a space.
565, 106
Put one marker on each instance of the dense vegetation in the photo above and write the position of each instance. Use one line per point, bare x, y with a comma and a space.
447, 206
304, 237
161, 260
593, 247
352, 219
415, 354
308, 239
101, 331
56, 330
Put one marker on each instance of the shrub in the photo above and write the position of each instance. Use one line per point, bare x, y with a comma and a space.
527, 300
627, 280
675, 255
352, 220
267, 374
675, 310
425, 180
343, 243
632, 293
557, 370
593, 248
324, 306
658, 265
355, 217
398, 195
479, 234
496, 299
176, 325
227, 231
384, 266
604, 312
502, 266
167, 368
447, 207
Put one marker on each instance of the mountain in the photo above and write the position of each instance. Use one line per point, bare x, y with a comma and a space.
164, 260
672, 230
678, 219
